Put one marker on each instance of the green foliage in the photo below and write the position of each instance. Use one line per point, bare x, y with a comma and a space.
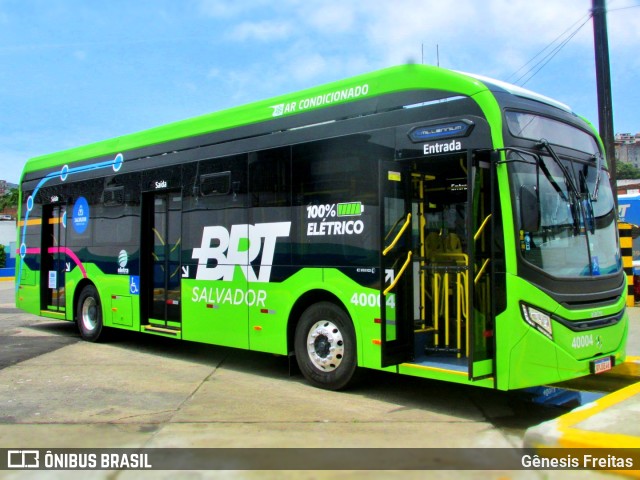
9, 199
3, 256
626, 171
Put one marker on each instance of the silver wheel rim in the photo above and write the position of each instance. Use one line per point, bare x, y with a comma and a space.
89, 314
325, 346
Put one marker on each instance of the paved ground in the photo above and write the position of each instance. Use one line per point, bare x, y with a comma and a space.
141, 391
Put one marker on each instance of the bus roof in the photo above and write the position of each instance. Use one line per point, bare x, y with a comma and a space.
520, 92
389, 80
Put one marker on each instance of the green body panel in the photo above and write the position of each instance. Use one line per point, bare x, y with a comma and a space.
487, 102
113, 291
364, 316
212, 312
28, 293
224, 313
521, 348
116, 300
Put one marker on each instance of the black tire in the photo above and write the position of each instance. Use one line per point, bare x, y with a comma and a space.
89, 314
325, 346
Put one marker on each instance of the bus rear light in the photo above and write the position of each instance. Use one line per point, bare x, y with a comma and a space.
376, 342
539, 320
377, 320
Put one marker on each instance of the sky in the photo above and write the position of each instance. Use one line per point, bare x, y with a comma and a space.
74, 72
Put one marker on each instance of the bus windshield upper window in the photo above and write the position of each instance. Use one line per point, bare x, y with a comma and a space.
536, 127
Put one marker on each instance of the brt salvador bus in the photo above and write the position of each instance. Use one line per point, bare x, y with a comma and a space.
415, 220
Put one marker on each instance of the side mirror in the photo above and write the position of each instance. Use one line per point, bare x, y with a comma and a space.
529, 208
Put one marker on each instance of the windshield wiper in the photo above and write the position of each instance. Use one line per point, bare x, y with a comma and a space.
538, 163
574, 196
598, 159
567, 176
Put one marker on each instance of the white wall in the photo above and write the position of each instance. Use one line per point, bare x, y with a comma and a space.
7, 231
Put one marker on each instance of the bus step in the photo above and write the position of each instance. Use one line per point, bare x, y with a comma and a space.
442, 350
167, 330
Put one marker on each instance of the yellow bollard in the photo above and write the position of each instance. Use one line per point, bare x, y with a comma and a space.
626, 250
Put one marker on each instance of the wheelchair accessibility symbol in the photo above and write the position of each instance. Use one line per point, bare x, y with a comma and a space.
134, 285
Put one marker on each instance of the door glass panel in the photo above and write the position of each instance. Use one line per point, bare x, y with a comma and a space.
395, 262
173, 249
159, 256
54, 259
166, 228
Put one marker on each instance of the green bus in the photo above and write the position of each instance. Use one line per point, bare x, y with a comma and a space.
414, 220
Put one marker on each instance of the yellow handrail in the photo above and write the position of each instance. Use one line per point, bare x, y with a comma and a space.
484, 224
481, 272
395, 240
395, 280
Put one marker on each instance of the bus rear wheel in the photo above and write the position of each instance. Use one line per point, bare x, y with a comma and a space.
89, 314
325, 346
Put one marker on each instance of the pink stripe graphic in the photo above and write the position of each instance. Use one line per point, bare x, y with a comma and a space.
71, 255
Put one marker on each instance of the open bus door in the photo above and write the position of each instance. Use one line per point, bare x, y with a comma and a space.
457, 224
161, 267
396, 296
440, 225
53, 268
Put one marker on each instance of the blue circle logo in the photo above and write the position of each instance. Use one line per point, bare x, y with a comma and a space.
80, 215
117, 162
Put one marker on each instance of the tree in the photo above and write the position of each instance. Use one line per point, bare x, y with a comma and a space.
626, 171
9, 199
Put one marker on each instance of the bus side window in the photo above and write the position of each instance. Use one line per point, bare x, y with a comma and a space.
270, 177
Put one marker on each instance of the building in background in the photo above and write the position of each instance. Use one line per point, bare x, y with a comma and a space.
5, 187
627, 147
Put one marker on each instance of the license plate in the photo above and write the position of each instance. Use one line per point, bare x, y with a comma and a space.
601, 365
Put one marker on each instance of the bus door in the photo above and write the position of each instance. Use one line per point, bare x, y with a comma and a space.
162, 247
456, 223
53, 254
486, 263
396, 295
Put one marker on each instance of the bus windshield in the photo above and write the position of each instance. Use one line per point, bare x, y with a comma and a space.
573, 232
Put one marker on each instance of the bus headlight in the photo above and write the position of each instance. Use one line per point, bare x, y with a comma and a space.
539, 320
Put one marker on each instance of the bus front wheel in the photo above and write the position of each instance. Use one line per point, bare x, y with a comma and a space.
89, 314
325, 346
